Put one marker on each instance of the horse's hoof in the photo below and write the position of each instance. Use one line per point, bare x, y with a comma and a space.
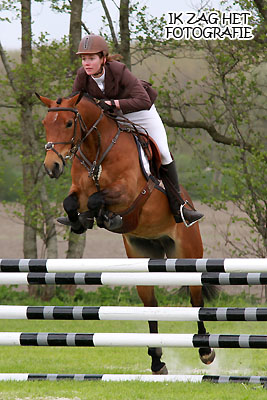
207, 358
64, 221
86, 219
114, 223
78, 231
162, 371
76, 227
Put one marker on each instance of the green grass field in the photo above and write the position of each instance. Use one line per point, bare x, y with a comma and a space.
127, 360
130, 361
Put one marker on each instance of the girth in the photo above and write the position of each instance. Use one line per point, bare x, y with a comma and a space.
130, 216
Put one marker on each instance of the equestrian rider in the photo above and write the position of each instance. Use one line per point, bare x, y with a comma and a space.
110, 81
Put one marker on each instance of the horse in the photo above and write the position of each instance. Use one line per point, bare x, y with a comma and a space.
109, 185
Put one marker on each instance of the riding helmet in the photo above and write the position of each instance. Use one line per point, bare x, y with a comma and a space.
93, 44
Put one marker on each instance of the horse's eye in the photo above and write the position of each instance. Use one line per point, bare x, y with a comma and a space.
69, 124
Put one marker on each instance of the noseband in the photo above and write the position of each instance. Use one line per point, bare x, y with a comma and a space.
93, 168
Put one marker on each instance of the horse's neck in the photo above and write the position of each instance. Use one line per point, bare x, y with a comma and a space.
89, 112
102, 134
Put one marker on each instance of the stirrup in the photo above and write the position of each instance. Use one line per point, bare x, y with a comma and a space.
182, 215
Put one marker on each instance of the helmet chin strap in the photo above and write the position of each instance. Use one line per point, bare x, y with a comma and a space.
99, 72
101, 69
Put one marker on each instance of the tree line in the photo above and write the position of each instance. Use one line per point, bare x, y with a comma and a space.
221, 115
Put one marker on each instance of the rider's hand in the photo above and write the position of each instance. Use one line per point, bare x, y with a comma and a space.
106, 105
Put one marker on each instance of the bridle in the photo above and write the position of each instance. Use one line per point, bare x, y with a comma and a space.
94, 168
74, 146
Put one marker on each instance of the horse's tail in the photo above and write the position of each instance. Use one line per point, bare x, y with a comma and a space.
209, 292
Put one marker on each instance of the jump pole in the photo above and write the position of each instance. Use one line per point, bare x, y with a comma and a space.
141, 378
133, 279
134, 265
108, 313
132, 340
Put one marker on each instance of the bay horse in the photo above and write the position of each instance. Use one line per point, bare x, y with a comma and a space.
107, 183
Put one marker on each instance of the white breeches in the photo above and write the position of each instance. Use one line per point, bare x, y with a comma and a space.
151, 121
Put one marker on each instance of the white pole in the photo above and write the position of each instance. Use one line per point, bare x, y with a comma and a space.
151, 378
245, 265
13, 278
9, 338
152, 279
13, 312
98, 265
148, 313
143, 339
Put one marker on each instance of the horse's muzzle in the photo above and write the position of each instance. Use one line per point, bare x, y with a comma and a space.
55, 171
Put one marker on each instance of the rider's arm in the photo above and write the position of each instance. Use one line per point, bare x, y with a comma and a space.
132, 95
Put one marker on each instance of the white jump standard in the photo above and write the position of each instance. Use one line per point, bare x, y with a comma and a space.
108, 313
134, 265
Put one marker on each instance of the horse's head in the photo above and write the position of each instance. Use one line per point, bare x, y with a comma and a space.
61, 130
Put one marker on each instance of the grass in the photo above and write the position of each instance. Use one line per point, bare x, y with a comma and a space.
130, 391
127, 360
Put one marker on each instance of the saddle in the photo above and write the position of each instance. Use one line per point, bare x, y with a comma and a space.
151, 151
148, 144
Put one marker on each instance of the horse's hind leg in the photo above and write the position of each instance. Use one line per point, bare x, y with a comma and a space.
207, 354
147, 295
135, 248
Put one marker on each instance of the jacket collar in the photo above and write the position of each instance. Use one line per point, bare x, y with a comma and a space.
110, 84
109, 81
94, 89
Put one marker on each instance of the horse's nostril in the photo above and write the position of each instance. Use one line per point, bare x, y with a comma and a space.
56, 170
56, 166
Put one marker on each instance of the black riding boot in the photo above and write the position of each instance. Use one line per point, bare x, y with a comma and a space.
169, 178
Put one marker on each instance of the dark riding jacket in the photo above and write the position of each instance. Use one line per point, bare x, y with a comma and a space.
120, 84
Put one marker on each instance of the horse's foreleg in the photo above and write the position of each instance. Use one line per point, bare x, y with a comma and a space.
98, 201
71, 205
207, 355
146, 294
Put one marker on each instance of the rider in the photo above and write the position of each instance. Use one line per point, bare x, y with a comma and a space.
116, 87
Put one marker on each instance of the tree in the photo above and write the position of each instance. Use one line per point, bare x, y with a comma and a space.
75, 30
222, 115
140, 34
76, 244
224, 111
18, 91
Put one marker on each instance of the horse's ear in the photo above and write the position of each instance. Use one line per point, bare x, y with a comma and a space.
44, 100
80, 97
76, 99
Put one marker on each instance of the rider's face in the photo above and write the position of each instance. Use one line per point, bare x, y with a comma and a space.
91, 63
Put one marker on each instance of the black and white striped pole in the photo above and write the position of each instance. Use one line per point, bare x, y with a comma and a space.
133, 340
109, 313
135, 265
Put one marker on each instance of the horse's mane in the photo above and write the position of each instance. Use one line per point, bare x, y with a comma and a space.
82, 94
